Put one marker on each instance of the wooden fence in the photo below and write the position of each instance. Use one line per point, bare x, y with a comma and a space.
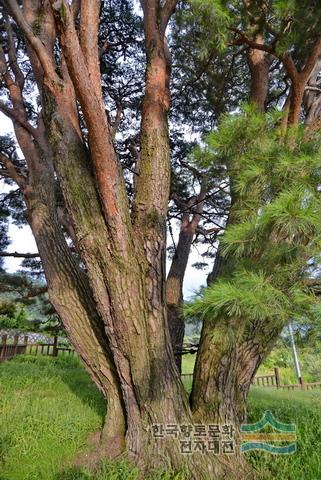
10, 350
273, 380
269, 380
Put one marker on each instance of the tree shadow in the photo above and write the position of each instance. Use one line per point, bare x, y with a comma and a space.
74, 375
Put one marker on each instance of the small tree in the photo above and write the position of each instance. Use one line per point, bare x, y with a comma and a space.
270, 250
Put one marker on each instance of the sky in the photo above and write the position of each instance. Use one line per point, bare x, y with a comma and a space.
22, 240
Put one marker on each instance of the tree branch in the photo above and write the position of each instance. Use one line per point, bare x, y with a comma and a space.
12, 171
34, 41
166, 13
117, 120
313, 88
313, 57
19, 77
88, 38
242, 38
15, 117
19, 255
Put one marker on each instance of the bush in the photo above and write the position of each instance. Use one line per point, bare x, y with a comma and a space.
13, 318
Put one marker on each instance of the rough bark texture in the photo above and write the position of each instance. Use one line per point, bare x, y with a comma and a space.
111, 296
227, 361
259, 63
115, 308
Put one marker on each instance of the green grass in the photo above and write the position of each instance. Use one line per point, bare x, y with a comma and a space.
302, 408
188, 362
47, 409
49, 406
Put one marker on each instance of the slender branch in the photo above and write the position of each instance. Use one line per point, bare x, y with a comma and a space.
200, 204
12, 171
15, 117
36, 44
19, 255
19, 77
242, 38
166, 13
117, 120
208, 231
35, 292
179, 202
313, 88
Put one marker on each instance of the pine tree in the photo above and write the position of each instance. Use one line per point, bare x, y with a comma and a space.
271, 246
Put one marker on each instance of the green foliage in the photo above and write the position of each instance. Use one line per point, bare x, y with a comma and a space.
214, 18
24, 303
281, 357
13, 315
7, 308
274, 228
248, 295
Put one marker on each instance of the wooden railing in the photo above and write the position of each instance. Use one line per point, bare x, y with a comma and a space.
10, 350
268, 380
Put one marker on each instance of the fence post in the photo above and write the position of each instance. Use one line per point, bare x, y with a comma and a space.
3, 343
25, 342
15, 342
277, 377
55, 349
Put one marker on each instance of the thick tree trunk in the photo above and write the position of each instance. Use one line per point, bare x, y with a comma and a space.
71, 295
115, 308
226, 363
127, 277
68, 286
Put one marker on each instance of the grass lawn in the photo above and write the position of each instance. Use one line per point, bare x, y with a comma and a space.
47, 409
49, 406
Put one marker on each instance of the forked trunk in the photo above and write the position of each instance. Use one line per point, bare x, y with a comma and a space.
112, 298
176, 274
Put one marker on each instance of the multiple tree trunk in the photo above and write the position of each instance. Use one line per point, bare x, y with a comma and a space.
111, 294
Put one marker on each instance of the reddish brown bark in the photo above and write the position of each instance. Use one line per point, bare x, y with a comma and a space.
120, 299
259, 63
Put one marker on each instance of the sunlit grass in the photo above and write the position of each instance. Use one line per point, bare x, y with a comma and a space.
49, 406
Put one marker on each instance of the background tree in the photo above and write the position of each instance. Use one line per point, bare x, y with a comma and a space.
272, 234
